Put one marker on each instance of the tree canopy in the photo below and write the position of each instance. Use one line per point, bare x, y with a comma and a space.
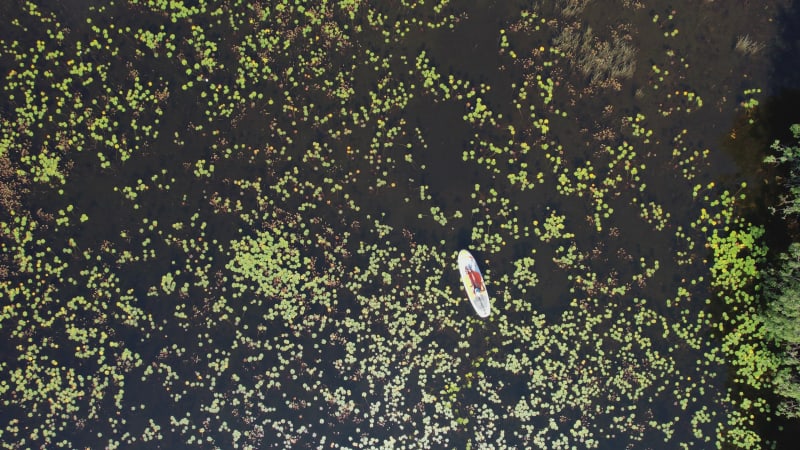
782, 290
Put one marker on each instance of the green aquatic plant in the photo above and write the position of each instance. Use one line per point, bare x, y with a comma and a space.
639, 130
654, 214
265, 272
553, 228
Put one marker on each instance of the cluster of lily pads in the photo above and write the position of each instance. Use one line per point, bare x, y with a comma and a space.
239, 225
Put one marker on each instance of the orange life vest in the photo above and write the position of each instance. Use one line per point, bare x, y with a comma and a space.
475, 278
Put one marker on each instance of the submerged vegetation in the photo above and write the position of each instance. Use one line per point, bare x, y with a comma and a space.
234, 225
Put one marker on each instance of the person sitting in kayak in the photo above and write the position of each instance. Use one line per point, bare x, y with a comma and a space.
475, 279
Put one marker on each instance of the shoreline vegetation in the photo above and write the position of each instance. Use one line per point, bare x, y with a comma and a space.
782, 287
234, 224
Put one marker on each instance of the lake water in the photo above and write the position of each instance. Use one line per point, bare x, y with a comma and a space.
254, 244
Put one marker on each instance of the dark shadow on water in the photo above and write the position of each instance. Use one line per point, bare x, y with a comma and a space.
781, 111
748, 143
785, 55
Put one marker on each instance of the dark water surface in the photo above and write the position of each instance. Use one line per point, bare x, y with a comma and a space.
257, 249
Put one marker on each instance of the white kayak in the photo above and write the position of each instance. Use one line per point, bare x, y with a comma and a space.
473, 283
